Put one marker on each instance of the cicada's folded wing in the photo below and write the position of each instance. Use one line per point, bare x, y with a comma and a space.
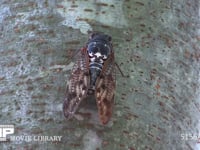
77, 85
105, 88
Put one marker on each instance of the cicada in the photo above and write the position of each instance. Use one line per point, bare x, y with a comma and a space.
93, 74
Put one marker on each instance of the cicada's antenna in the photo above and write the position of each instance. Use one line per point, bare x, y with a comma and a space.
119, 69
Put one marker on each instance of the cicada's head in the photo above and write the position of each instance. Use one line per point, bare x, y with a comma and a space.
99, 47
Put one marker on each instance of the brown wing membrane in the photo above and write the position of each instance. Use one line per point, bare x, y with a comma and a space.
105, 89
77, 86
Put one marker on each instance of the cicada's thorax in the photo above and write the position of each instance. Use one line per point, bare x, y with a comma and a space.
99, 49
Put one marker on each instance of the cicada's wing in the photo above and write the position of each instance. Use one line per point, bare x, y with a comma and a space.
105, 88
78, 85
